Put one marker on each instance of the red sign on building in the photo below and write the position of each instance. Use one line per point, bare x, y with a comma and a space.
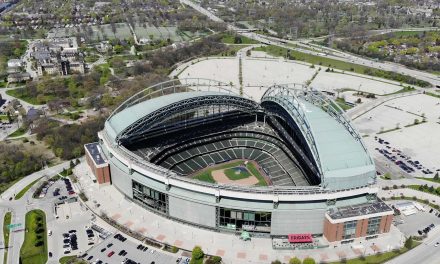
300, 238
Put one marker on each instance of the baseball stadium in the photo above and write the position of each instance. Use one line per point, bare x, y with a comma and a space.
202, 153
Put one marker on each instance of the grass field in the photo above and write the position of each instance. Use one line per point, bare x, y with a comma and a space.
261, 181
206, 174
230, 169
6, 222
25, 189
237, 173
34, 248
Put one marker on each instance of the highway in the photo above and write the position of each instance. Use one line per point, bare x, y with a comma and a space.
313, 49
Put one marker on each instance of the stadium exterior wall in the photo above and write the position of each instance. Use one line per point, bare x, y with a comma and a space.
188, 203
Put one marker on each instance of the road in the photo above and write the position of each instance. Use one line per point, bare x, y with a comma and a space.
322, 51
25, 204
425, 253
51, 171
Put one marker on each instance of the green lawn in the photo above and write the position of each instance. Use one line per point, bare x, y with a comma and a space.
72, 260
17, 93
6, 222
19, 132
261, 181
237, 173
34, 248
420, 188
25, 189
433, 94
342, 104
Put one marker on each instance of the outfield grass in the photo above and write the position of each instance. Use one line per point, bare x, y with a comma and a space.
232, 174
261, 181
25, 189
6, 222
34, 248
206, 176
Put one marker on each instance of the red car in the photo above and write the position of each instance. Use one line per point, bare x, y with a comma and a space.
71, 192
110, 253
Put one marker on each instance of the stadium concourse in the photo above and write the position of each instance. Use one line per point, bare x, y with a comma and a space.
163, 148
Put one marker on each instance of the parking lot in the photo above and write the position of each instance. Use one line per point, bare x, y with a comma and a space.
115, 249
69, 216
413, 223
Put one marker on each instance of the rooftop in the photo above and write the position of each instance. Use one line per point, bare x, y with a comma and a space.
128, 116
95, 152
359, 210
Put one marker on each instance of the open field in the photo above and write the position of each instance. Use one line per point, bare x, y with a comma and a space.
34, 248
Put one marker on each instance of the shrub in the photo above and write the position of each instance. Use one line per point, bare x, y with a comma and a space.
276, 262
409, 243
294, 260
197, 255
309, 261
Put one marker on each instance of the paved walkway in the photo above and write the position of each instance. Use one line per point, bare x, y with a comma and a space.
228, 246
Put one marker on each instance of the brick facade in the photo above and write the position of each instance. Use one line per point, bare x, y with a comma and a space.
102, 173
335, 231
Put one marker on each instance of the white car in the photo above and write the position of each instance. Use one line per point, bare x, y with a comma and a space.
437, 244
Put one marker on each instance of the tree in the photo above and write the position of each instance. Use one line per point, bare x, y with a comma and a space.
197, 255
276, 262
409, 243
309, 261
294, 260
436, 177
